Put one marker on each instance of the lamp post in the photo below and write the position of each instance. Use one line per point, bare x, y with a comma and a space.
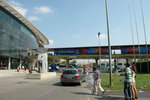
99, 50
145, 35
110, 74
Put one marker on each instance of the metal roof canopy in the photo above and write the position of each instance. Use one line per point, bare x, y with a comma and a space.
40, 37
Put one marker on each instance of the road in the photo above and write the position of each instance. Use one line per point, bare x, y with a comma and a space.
19, 88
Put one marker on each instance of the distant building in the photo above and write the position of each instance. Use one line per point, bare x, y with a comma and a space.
18, 37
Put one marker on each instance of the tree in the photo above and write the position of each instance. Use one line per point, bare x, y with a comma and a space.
73, 62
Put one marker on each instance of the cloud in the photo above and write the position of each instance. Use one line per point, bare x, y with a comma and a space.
21, 10
33, 18
18, 7
43, 10
51, 42
102, 36
15, 3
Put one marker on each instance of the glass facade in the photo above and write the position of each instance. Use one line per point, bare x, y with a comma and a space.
15, 37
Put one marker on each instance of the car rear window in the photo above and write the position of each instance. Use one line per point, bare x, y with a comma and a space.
70, 72
119, 63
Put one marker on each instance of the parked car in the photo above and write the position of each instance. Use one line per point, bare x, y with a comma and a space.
62, 67
112, 66
72, 76
75, 66
121, 67
103, 66
53, 67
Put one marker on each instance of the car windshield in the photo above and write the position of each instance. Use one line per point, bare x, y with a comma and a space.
70, 72
102, 64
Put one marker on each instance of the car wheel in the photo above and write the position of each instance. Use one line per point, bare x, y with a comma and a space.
63, 84
80, 82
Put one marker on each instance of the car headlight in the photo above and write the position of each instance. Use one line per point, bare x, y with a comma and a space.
57, 67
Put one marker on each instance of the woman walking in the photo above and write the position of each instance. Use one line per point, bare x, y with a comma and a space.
134, 90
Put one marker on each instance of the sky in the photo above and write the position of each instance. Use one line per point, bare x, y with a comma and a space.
76, 23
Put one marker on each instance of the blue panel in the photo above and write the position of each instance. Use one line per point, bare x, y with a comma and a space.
123, 51
92, 51
143, 50
67, 52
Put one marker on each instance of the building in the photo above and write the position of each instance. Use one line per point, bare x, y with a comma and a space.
18, 37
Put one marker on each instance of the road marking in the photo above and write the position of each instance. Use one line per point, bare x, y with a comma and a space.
44, 94
140, 91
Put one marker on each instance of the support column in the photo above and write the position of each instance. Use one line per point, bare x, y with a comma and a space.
127, 61
54, 61
20, 64
9, 63
67, 63
96, 61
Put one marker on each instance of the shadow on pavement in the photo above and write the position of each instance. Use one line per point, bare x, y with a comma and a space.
110, 98
57, 84
80, 93
21, 82
70, 85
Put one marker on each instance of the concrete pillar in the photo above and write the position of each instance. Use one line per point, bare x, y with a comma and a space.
67, 63
20, 63
54, 61
96, 61
127, 61
9, 63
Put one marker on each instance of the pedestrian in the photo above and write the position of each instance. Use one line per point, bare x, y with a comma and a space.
30, 70
84, 69
25, 67
134, 90
127, 82
97, 81
17, 69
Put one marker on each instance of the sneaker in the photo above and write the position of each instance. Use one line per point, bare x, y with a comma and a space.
93, 93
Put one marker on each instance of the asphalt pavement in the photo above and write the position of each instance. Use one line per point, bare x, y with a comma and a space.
19, 88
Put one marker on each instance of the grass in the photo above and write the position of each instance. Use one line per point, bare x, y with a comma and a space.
142, 81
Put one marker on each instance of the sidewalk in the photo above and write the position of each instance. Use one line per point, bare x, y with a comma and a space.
7, 73
119, 95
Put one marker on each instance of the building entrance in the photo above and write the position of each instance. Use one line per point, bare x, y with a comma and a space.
3, 63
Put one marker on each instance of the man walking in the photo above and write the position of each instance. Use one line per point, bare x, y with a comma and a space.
127, 83
97, 81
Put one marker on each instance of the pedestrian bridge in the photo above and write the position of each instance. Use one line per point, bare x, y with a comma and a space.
93, 52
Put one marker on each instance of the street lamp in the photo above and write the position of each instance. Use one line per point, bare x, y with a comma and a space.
99, 50
145, 35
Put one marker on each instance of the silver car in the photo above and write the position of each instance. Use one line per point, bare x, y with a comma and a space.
72, 76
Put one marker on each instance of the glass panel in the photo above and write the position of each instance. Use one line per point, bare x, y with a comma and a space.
15, 37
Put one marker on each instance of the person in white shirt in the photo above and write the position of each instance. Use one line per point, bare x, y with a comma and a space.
133, 84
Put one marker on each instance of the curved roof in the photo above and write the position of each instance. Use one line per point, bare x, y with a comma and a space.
40, 36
